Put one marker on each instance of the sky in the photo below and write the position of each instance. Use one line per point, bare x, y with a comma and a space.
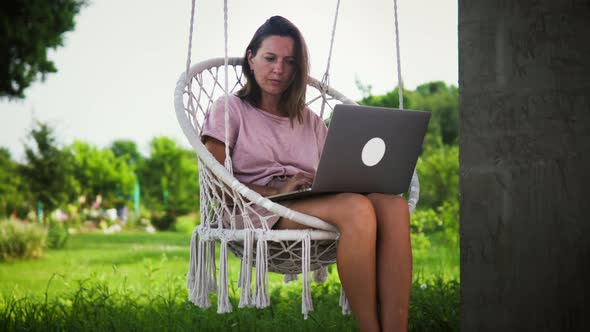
118, 69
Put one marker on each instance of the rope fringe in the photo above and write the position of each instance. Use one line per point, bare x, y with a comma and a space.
289, 277
200, 295
192, 269
223, 304
210, 264
245, 279
320, 275
344, 304
261, 289
306, 302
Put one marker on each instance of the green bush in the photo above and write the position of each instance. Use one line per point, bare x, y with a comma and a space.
57, 234
419, 241
426, 221
162, 221
438, 169
443, 218
21, 240
186, 224
449, 213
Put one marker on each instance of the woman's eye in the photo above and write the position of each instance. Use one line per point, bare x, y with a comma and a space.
269, 59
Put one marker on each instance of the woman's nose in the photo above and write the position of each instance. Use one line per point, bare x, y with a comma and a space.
278, 67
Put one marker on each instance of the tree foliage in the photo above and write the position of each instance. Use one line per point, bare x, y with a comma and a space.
438, 169
127, 150
12, 188
99, 171
27, 30
48, 169
443, 102
169, 177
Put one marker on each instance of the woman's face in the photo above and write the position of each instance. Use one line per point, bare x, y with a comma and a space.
274, 65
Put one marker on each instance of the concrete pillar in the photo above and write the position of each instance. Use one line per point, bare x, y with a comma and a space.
524, 77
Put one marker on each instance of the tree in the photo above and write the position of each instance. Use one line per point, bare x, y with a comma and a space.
443, 102
127, 150
169, 177
390, 99
27, 30
101, 172
438, 169
48, 169
13, 193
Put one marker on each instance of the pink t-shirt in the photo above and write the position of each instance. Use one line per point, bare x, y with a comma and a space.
263, 145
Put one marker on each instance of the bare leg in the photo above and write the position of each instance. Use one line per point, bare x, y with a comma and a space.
394, 260
354, 216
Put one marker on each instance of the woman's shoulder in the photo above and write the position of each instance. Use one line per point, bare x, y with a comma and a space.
312, 116
232, 100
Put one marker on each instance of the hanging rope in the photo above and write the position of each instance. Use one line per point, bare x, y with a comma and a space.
190, 41
325, 83
400, 86
228, 164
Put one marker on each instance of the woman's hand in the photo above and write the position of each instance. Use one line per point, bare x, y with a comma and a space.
298, 181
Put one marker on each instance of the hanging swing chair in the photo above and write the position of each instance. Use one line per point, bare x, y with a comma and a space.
288, 252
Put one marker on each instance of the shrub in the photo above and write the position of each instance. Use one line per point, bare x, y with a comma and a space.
21, 240
186, 224
419, 241
425, 221
57, 234
434, 305
444, 218
162, 220
438, 169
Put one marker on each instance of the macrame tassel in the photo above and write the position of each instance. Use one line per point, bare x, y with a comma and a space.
245, 279
223, 304
212, 273
306, 303
289, 277
192, 268
240, 272
200, 293
320, 275
344, 302
261, 289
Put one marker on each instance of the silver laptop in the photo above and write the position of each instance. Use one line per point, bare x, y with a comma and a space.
367, 150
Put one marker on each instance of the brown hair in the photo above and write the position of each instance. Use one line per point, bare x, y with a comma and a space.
293, 99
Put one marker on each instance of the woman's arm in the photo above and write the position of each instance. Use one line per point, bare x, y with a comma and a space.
217, 149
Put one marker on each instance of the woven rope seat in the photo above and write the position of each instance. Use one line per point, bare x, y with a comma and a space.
288, 252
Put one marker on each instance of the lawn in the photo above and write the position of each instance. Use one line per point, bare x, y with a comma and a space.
135, 281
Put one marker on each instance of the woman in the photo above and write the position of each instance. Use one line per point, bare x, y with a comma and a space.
275, 143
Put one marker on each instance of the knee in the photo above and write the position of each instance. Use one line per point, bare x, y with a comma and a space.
359, 214
390, 208
389, 202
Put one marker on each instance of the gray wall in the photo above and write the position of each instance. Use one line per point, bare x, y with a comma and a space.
524, 77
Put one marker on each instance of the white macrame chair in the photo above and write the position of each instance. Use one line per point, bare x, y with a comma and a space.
288, 252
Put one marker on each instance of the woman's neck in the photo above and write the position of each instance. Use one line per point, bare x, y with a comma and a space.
270, 104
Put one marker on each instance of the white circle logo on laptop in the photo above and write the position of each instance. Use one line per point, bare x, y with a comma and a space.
373, 151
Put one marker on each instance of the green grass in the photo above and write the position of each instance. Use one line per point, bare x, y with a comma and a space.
135, 281
440, 260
